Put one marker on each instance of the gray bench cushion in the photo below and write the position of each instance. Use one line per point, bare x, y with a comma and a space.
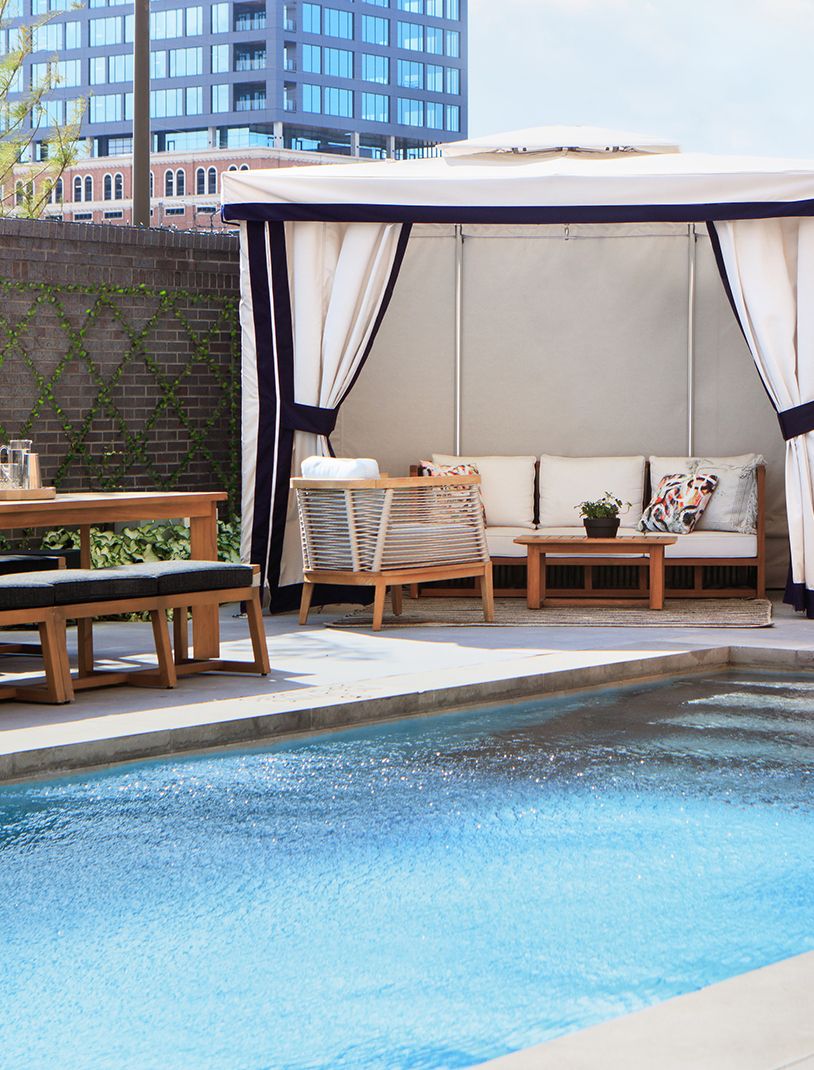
16, 563
25, 592
184, 577
74, 585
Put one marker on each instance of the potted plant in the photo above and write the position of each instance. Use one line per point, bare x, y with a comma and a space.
601, 517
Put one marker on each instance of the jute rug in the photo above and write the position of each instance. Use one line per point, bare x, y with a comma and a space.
514, 613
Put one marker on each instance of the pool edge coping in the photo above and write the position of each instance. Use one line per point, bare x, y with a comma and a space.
86, 754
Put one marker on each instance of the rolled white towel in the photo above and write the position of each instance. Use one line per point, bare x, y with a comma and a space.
340, 468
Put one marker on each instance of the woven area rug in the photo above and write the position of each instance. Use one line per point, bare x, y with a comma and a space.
514, 613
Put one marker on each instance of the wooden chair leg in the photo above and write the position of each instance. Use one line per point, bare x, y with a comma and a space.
254, 613
55, 658
305, 601
180, 634
413, 590
163, 650
395, 594
487, 593
378, 606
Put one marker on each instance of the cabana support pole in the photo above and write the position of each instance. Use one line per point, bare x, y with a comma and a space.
690, 336
459, 321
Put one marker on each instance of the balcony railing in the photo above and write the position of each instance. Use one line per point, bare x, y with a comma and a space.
289, 104
250, 103
251, 63
250, 22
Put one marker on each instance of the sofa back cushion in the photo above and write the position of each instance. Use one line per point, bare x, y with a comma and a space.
567, 481
507, 487
733, 506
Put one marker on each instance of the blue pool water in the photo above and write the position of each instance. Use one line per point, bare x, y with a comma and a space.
422, 894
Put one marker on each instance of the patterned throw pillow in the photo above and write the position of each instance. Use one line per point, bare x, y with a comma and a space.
462, 469
678, 503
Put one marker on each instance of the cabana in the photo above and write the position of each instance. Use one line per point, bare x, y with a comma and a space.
321, 250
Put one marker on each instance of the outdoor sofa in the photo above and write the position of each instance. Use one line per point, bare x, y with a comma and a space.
50, 599
723, 557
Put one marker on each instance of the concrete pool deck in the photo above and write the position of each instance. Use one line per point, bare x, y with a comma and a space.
325, 678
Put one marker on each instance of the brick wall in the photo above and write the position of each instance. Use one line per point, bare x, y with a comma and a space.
119, 354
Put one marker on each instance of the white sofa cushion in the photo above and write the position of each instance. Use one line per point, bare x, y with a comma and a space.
340, 468
506, 484
711, 544
733, 506
501, 541
567, 481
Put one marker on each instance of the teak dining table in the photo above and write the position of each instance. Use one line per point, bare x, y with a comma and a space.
87, 509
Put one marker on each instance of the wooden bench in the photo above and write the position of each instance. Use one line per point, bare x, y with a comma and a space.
49, 601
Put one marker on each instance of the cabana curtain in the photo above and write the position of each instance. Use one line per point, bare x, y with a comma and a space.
768, 268
318, 290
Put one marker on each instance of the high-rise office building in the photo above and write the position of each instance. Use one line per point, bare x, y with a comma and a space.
359, 77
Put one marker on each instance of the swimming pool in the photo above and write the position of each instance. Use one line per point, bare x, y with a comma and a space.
421, 894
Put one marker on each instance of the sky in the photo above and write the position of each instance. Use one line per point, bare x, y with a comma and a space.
733, 76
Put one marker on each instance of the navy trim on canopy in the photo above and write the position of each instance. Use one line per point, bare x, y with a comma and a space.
574, 213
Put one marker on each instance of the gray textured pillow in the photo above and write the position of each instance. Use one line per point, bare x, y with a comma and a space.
733, 506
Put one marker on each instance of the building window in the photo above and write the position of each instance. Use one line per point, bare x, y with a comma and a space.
175, 211
289, 96
453, 41
411, 112
453, 117
435, 40
435, 8
166, 24
81, 216
220, 18
289, 56
158, 64
336, 23
289, 21
375, 31
180, 183
58, 191
244, 167
212, 180
453, 81
220, 98
454, 10
375, 108
375, 68
107, 188
166, 103
200, 181
311, 98
102, 31
77, 189
219, 59
411, 36
169, 183
194, 21
98, 70
338, 62
434, 115
311, 18
152, 184
250, 98
105, 109
232, 167
194, 100
118, 186
88, 188
73, 35
337, 101
114, 213
435, 78
185, 62
414, 6
378, 3
410, 74
312, 59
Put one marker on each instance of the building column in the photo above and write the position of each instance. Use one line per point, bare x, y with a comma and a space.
391, 146
212, 137
354, 142
277, 134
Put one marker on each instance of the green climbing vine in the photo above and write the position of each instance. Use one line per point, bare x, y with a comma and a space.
149, 307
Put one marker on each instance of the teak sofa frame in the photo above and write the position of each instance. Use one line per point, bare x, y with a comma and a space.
589, 590
59, 685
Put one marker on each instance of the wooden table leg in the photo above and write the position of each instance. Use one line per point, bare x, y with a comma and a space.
656, 577
534, 578
84, 628
203, 539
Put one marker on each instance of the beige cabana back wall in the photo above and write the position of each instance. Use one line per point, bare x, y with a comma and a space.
574, 341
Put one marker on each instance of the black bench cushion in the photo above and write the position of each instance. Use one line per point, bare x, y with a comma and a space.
184, 577
16, 563
75, 585
25, 591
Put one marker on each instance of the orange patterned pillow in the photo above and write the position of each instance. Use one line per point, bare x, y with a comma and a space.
678, 503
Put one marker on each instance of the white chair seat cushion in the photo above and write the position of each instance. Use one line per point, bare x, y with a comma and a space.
733, 505
506, 485
567, 481
500, 541
340, 468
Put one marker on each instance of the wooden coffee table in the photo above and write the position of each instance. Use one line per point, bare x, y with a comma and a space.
608, 551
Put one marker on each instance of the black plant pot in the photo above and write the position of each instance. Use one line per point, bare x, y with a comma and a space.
604, 527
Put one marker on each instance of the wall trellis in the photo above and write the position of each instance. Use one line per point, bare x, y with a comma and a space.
211, 349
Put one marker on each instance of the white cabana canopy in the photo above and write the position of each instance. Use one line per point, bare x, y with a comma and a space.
322, 246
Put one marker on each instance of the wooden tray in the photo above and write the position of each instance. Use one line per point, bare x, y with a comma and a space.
19, 494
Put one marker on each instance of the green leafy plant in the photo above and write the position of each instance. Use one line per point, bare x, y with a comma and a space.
143, 542
606, 506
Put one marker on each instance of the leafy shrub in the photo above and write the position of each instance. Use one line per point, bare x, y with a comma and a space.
157, 541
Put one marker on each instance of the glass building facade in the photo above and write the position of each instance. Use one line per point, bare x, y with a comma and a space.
361, 77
